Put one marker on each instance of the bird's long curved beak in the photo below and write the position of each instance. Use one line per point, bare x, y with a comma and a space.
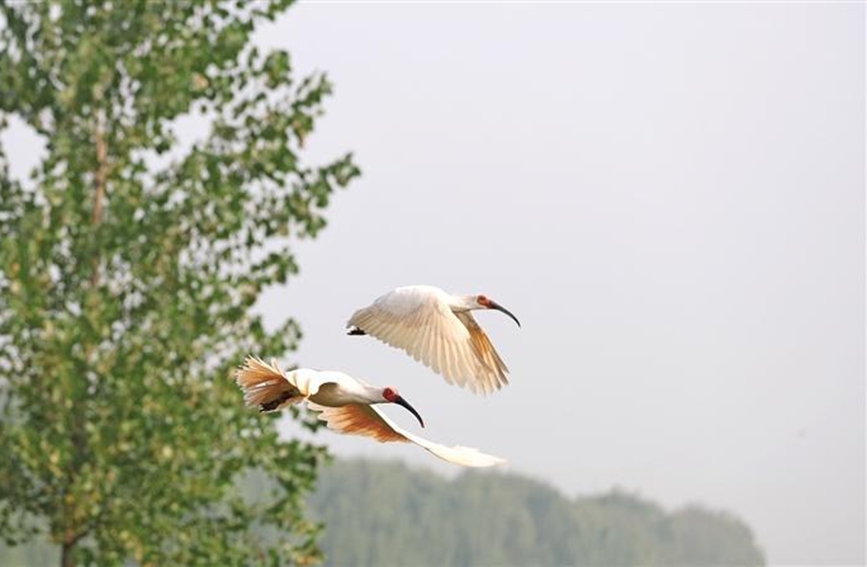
498, 307
400, 401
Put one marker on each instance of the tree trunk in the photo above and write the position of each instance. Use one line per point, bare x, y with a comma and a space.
66, 559
70, 539
79, 440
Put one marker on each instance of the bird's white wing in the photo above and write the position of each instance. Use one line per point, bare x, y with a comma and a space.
419, 322
269, 388
485, 352
358, 419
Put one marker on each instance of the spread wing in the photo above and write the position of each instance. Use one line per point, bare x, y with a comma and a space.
358, 419
424, 326
485, 351
269, 388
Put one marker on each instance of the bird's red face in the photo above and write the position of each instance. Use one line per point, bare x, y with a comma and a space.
488, 303
390, 395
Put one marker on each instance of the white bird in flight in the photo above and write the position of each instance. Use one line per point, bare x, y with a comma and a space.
344, 403
437, 329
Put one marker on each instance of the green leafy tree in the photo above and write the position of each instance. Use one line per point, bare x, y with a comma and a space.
128, 270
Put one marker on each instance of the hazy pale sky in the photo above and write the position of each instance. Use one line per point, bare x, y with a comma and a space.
669, 196
671, 199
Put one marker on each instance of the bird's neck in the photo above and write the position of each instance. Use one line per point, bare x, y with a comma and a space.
462, 303
371, 394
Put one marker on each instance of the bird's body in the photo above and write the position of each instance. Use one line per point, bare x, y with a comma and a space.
338, 389
437, 329
345, 403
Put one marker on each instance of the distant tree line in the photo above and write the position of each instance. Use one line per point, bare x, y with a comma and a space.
383, 514
387, 514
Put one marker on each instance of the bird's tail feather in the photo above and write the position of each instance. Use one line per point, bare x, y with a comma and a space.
265, 385
464, 456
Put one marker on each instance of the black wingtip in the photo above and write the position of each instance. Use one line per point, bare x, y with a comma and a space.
355, 331
272, 405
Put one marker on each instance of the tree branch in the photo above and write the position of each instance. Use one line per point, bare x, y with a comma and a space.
100, 178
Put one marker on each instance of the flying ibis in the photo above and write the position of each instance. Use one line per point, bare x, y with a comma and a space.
437, 329
344, 403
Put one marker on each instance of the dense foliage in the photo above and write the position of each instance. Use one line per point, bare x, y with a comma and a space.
388, 514
379, 513
128, 270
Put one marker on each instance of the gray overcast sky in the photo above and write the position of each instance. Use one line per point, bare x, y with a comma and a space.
671, 199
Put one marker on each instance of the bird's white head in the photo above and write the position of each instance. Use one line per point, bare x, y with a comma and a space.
485, 302
391, 396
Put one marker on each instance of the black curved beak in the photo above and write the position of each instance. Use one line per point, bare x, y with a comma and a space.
498, 307
400, 401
